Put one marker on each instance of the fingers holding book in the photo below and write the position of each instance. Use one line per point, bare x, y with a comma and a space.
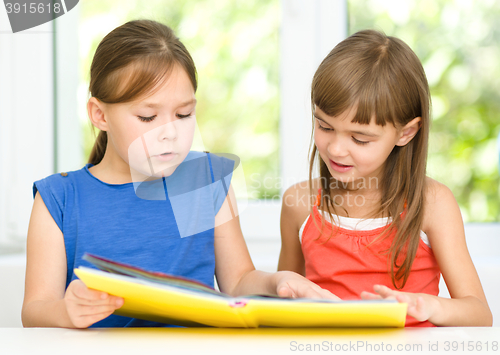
85, 306
293, 285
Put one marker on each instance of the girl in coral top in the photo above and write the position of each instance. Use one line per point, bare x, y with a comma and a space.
373, 225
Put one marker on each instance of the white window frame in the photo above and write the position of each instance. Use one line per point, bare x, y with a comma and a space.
38, 117
309, 31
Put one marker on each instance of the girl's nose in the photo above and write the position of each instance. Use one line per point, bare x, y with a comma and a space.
168, 131
337, 148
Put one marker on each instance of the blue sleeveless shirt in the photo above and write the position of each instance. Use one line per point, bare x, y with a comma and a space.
164, 225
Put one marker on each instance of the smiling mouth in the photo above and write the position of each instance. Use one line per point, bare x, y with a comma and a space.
342, 165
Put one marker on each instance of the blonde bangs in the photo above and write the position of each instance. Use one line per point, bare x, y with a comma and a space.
375, 101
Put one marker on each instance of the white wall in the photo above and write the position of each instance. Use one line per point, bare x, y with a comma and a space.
26, 124
27, 140
29, 116
12, 271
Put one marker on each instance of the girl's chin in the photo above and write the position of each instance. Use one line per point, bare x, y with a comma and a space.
156, 167
345, 181
344, 177
146, 174
354, 182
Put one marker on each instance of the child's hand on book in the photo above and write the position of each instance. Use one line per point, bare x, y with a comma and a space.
293, 285
86, 307
418, 308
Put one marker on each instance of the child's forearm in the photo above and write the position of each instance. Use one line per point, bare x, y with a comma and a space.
283, 283
256, 282
467, 311
46, 313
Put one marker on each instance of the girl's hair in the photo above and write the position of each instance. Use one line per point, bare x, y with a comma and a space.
130, 62
382, 79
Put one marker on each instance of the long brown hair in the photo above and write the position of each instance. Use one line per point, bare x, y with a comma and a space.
130, 62
383, 79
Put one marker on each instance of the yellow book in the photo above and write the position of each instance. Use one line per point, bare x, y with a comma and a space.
174, 300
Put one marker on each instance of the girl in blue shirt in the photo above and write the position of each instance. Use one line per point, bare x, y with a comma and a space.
144, 198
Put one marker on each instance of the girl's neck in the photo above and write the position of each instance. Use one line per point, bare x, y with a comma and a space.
112, 170
359, 203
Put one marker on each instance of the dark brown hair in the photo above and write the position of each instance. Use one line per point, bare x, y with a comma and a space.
382, 78
130, 62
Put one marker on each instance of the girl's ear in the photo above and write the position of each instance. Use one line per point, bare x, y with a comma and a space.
96, 114
409, 131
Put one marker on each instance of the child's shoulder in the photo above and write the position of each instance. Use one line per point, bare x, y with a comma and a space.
439, 202
57, 188
303, 189
437, 193
304, 185
60, 180
57, 192
299, 199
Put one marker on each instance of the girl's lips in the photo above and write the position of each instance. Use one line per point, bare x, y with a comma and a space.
165, 156
339, 167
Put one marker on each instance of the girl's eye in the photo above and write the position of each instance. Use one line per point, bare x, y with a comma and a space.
147, 119
184, 116
323, 128
359, 142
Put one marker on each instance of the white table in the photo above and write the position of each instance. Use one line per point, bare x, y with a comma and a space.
41, 341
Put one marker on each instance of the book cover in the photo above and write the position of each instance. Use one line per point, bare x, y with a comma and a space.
175, 300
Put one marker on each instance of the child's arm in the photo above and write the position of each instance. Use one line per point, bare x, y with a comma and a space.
235, 271
294, 211
444, 227
46, 304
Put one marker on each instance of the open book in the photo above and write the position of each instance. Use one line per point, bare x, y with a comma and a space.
175, 300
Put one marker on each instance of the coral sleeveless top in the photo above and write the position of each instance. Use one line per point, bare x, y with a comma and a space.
352, 261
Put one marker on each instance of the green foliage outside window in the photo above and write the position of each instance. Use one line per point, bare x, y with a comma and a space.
235, 46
